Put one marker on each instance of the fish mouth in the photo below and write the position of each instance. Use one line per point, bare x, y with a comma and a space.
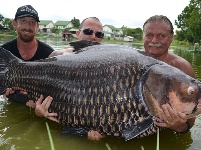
195, 109
195, 112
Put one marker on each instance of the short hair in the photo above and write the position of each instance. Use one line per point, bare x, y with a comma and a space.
82, 23
160, 18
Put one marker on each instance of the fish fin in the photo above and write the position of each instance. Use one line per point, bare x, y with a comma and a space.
137, 129
74, 131
79, 44
5, 58
18, 97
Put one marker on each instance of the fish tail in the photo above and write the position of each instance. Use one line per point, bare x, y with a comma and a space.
5, 58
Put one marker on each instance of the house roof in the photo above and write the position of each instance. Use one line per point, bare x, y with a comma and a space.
74, 29
45, 22
108, 32
62, 23
112, 27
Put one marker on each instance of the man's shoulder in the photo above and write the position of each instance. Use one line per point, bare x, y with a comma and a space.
44, 46
179, 60
9, 43
182, 64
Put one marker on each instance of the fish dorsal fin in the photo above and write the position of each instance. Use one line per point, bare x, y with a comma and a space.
79, 44
137, 129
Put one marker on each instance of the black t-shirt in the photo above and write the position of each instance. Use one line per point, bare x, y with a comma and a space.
42, 52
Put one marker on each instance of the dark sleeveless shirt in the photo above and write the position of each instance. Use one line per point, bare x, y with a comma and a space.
42, 52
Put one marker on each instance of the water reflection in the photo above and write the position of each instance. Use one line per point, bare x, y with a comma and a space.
56, 43
193, 58
21, 129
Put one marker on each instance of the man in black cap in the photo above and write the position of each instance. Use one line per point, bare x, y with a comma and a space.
26, 46
26, 11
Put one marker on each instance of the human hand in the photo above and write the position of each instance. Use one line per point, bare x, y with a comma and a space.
171, 119
31, 104
61, 52
67, 51
95, 135
8, 92
11, 91
42, 108
17, 95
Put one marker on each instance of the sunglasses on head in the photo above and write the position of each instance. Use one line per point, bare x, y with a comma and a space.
90, 32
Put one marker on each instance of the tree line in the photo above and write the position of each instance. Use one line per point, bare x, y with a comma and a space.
189, 23
6, 25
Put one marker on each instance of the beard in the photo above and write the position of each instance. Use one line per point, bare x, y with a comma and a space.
25, 37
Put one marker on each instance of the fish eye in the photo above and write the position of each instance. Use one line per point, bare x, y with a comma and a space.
190, 91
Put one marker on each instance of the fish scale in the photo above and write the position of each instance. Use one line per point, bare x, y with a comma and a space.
108, 87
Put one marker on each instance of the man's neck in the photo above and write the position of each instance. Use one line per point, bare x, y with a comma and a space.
164, 57
27, 50
25, 46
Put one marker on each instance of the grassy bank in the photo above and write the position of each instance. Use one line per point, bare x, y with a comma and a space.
175, 43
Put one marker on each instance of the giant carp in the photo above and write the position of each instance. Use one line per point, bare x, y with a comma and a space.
111, 88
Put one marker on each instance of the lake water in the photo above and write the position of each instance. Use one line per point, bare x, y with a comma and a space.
21, 129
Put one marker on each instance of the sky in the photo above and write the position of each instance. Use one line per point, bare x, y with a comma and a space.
130, 13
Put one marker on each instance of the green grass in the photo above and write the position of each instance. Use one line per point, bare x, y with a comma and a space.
11, 35
106, 144
108, 147
157, 143
50, 136
138, 43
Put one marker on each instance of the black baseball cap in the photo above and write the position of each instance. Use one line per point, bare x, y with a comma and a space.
27, 11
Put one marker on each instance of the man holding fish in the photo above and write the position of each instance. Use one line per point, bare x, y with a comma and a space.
157, 36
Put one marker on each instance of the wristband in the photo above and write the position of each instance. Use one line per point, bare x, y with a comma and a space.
187, 129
